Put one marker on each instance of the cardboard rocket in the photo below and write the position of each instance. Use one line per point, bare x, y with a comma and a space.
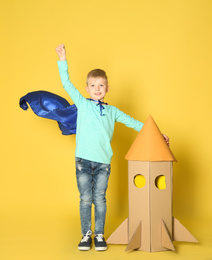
150, 225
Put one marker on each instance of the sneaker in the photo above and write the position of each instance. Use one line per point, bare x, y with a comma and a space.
85, 243
100, 244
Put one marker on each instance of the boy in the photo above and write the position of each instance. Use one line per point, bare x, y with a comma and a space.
95, 126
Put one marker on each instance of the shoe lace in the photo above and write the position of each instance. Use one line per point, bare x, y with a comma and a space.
86, 236
99, 237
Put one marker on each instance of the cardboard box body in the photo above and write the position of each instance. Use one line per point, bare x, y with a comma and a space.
150, 205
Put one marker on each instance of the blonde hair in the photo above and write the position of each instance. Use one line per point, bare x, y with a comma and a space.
97, 73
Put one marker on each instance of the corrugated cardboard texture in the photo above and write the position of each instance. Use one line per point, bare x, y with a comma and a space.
180, 233
120, 235
166, 240
161, 203
135, 242
150, 205
150, 225
139, 203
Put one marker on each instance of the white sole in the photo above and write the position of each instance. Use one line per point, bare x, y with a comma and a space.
100, 248
84, 248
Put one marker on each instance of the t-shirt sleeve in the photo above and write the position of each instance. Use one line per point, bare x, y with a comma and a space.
128, 120
68, 86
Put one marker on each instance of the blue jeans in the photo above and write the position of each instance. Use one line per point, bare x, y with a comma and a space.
92, 180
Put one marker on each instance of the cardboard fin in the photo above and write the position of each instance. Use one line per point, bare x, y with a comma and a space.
135, 241
180, 233
120, 235
166, 240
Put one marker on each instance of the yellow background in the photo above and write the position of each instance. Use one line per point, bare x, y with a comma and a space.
158, 57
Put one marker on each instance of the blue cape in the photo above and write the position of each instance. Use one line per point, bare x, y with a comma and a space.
48, 105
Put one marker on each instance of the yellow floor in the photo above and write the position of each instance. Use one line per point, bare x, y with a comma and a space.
56, 237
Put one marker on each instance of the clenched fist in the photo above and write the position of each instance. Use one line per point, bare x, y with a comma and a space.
61, 51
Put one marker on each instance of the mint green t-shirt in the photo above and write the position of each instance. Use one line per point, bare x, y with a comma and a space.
94, 131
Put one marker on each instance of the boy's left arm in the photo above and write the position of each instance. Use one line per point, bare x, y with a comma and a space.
133, 123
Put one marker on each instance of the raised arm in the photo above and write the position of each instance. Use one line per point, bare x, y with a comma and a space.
64, 75
61, 51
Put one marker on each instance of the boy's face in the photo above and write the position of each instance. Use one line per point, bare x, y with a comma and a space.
97, 88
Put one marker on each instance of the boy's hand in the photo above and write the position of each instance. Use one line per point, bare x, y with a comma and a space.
61, 51
166, 139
